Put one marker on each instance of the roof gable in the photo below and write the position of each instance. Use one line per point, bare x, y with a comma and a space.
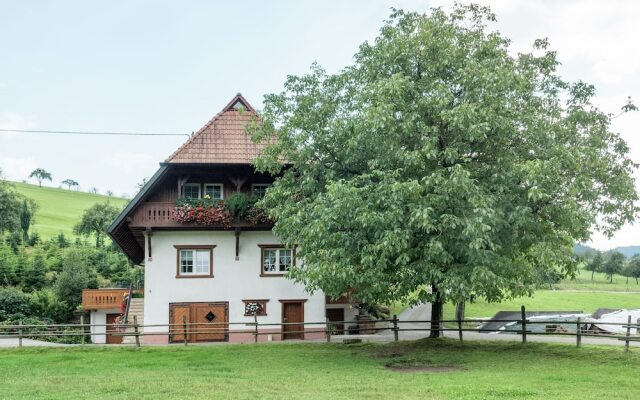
222, 140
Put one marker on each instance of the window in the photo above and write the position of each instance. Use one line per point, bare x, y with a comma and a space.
261, 306
259, 189
191, 190
194, 261
214, 190
276, 260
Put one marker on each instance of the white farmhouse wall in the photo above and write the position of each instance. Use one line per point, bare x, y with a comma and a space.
233, 280
99, 317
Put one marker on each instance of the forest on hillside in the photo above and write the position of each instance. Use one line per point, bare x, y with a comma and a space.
41, 280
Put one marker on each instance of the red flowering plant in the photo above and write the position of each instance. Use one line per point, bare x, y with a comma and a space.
202, 211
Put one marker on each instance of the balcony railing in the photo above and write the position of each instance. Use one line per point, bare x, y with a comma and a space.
160, 215
100, 299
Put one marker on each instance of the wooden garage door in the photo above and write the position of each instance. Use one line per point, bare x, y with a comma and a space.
111, 338
211, 319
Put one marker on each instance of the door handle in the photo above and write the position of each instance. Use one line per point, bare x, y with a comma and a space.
284, 319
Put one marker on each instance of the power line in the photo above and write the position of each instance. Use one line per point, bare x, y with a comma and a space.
93, 133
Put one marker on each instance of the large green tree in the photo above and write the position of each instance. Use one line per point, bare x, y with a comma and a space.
95, 221
440, 166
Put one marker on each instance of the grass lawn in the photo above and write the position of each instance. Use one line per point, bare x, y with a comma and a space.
60, 209
488, 370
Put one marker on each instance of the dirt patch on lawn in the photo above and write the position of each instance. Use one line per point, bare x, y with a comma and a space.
424, 368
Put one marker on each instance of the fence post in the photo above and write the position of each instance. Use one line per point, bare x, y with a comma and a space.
626, 342
184, 329
578, 333
20, 334
459, 328
82, 331
135, 329
395, 327
524, 324
255, 335
327, 330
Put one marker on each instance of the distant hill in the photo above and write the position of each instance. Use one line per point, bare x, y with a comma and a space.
628, 251
60, 209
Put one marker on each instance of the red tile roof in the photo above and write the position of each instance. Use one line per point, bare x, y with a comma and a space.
223, 140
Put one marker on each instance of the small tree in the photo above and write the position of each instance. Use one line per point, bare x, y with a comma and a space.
10, 206
613, 265
40, 175
95, 221
26, 217
595, 265
7, 266
634, 268
70, 183
94, 190
109, 193
76, 275
34, 275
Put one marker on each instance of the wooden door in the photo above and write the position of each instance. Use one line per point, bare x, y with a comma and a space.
211, 319
292, 311
178, 315
336, 315
111, 338
212, 315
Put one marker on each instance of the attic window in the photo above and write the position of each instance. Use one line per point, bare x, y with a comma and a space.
239, 105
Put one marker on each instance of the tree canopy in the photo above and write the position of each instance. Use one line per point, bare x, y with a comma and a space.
69, 183
440, 165
95, 221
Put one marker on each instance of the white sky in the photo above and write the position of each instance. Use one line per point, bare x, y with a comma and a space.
167, 66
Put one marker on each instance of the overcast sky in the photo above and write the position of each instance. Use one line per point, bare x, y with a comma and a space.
168, 67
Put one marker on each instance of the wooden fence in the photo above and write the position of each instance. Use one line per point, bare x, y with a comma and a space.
394, 325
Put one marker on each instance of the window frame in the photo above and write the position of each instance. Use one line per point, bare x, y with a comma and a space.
204, 190
180, 248
261, 301
277, 247
253, 185
182, 194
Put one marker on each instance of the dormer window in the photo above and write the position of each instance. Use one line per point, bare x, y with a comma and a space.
191, 191
214, 191
259, 189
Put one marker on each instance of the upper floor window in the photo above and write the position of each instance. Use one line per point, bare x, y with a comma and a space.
259, 189
276, 260
191, 191
214, 190
194, 261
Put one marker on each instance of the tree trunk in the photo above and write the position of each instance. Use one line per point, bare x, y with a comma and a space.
592, 274
436, 313
460, 310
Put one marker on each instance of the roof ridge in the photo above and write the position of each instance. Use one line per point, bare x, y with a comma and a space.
236, 98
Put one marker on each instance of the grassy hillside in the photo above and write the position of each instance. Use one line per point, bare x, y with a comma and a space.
60, 209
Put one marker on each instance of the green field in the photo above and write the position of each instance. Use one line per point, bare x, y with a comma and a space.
60, 209
481, 370
552, 300
599, 283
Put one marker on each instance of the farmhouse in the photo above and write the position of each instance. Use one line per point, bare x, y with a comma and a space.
204, 264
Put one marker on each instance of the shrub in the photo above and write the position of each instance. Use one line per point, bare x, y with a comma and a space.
45, 304
13, 304
237, 204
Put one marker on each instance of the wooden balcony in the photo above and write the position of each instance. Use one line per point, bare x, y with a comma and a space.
100, 299
159, 215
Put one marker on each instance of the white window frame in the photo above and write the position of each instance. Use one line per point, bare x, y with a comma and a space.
204, 192
278, 267
196, 271
191, 185
253, 186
